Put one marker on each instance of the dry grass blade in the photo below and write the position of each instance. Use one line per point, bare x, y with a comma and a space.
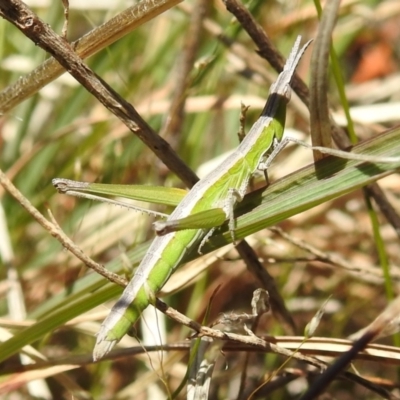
316, 347
201, 370
319, 108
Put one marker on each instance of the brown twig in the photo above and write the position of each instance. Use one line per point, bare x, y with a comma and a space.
370, 274
64, 31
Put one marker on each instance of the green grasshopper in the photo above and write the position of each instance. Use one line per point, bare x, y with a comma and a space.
218, 191
207, 206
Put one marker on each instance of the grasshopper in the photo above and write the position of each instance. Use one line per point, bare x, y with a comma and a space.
219, 191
